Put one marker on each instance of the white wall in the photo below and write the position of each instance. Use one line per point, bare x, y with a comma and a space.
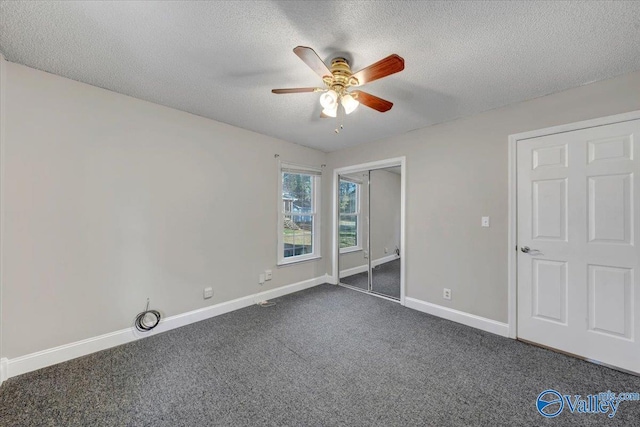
456, 173
108, 200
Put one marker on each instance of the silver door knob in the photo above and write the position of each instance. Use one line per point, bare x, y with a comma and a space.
525, 249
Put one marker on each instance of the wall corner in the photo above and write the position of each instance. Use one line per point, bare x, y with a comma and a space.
3, 369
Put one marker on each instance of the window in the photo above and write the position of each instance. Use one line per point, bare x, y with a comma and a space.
350, 224
298, 219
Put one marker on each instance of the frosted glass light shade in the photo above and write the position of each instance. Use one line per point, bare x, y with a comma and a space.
349, 103
329, 99
331, 112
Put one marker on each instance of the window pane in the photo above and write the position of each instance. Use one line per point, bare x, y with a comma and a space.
348, 197
297, 192
348, 231
298, 235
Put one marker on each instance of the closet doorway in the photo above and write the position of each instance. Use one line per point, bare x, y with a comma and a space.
369, 228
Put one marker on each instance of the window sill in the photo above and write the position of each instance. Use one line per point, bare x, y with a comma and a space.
296, 260
351, 249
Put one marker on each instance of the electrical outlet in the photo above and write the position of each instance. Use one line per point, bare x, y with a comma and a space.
386, 250
485, 221
261, 279
446, 293
208, 293
267, 275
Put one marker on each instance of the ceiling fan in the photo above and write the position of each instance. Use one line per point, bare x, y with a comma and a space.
339, 78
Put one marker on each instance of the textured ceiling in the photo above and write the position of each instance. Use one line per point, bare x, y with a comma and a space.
221, 59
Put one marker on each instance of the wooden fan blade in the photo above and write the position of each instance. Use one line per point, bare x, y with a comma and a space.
372, 101
296, 90
324, 116
383, 68
311, 58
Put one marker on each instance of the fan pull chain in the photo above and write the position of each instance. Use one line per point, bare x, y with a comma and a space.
339, 120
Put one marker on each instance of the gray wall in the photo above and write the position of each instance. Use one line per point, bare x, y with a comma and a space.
108, 200
456, 173
385, 213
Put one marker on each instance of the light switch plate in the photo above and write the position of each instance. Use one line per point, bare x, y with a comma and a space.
485, 221
267, 274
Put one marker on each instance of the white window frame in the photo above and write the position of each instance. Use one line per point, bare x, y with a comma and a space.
316, 174
358, 215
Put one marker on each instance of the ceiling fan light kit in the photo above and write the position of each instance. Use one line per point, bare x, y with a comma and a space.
339, 79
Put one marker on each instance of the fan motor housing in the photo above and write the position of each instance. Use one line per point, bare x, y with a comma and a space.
341, 75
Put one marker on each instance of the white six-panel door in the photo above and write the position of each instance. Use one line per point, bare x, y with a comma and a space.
578, 200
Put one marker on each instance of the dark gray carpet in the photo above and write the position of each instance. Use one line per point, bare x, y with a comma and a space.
360, 280
327, 356
386, 279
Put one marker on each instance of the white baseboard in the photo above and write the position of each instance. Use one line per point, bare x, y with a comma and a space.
383, 260
362, 268
355, 270
31, 362
472, 320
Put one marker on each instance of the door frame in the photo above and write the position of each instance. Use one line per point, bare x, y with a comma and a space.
512, 246
3, 125
379, 164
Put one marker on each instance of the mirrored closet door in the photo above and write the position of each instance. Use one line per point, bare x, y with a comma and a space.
369, 231
353, 229
384, 231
